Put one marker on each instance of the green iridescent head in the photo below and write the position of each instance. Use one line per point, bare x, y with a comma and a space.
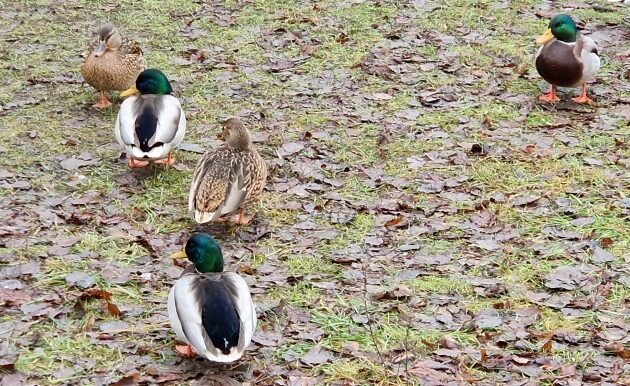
562, 27
150, 81
204, 252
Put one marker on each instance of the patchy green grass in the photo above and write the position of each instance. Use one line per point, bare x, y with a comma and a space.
472, 55
439, 285
42, 361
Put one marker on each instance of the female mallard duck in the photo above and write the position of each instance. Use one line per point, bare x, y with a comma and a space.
151, 124
209, 309
567, 58
227, 178
111, 63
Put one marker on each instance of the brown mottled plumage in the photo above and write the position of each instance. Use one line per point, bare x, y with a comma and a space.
111, 62
227, 178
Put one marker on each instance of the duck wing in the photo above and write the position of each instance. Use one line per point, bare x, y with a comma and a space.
242, 300
219, 185
149, 121
204, 308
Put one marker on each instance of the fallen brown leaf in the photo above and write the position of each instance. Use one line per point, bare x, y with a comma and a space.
128, 380
96, 294
113, 309
484, 355
618, 349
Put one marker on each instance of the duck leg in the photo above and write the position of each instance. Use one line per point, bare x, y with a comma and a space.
103, 102
237, 218
185, 350
242, 219
134, 163
551, 97
169, 160
583, 98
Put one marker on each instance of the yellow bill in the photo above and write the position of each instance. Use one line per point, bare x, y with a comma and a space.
179, 255
131, 91
544, 38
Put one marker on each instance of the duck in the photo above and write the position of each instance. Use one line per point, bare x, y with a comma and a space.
227, 178
566, 58
151, 122
210, 310
111, 63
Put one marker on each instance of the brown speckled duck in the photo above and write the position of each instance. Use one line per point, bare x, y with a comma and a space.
111, 63
227, 178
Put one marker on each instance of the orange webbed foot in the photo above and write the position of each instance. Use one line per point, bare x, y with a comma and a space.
165, 161
240, 218
134, 163
169, 160
103, 103
551, 97
236, 218
185, 350
583, 99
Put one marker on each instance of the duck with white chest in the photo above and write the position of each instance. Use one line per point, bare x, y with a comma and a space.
150, 125
566, 58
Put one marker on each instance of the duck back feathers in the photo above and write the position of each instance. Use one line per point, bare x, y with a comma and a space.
149, 125
157, 120
225, 179
214, 313
219, 317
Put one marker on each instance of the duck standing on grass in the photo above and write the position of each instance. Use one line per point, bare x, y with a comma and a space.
150, 125
566, 59
227, 178
111, 63
210, 310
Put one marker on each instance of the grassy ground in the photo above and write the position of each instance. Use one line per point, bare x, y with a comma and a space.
385, 241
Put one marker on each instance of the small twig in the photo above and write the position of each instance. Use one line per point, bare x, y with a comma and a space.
367, 313
382, 140
406, 343
144, 329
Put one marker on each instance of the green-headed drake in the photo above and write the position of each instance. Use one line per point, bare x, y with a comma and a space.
227, 178
150, 125
111, 63
210, 310
567, 58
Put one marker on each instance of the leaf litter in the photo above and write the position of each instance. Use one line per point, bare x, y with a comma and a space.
426, 220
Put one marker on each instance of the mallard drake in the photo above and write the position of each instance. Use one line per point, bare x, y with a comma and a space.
209, 309
227, 178
111, 63
567, 58
151, 124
